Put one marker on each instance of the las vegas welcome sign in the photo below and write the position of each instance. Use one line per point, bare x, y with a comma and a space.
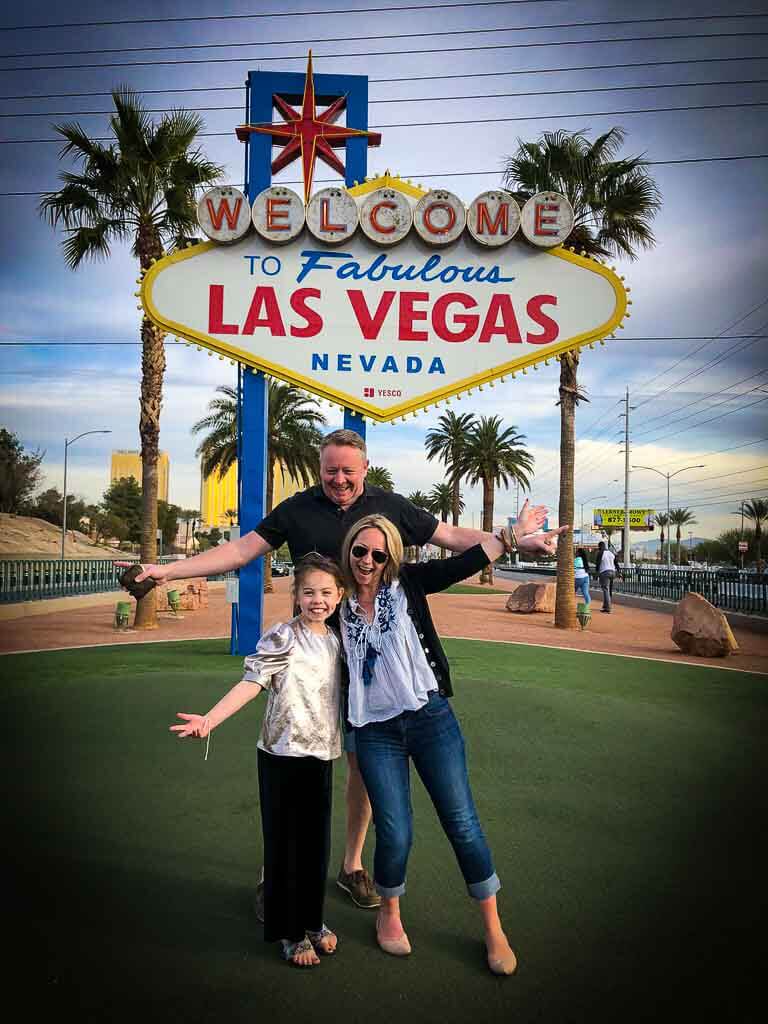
383, 297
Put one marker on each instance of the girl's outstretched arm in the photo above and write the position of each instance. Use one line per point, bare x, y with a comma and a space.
202, 725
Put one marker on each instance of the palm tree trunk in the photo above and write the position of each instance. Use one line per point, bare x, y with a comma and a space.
565, 594
268, 498
152, 369
678, 536
486, 576
456, 486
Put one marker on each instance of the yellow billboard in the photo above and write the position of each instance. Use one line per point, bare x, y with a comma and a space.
613, 518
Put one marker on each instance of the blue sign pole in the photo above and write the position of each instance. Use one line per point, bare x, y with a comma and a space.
253, 464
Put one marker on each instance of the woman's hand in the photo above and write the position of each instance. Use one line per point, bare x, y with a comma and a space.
194, 725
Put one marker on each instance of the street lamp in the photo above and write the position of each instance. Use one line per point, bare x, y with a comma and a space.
668, 477
66, 449
583, 503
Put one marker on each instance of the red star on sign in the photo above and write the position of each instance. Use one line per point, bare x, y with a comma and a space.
308, 133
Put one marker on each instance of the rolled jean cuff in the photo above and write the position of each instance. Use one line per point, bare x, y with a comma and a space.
482, 890
389, 891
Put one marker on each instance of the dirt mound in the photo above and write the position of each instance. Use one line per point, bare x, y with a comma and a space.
25, 537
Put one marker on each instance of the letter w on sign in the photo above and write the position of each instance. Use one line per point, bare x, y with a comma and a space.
217, 215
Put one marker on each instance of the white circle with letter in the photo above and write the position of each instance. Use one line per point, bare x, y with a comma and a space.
224, 214
386, 216
439, 217
278, 214
332, 215
547, 219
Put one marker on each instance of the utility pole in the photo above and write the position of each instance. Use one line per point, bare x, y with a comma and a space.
625, 414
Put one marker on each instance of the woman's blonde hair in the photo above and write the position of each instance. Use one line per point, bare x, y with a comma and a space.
394, 548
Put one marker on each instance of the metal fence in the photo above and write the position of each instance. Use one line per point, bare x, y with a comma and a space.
34, 579
727, 589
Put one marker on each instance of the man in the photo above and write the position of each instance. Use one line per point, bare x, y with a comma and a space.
607, 567
317, 520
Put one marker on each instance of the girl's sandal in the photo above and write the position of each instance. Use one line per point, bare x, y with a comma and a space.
320, 941
293, 949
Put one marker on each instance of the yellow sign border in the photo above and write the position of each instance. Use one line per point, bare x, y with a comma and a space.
510, 369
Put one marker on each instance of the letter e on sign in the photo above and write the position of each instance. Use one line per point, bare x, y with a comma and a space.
386, 216
278, 214
332, 215
547, 219
493, 218
224, 214
439, 217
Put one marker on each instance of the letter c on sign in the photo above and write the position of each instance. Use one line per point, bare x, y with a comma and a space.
385, 216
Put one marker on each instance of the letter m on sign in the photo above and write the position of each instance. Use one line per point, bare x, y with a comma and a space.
221, 210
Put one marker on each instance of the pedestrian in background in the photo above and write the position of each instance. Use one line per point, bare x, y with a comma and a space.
607, 569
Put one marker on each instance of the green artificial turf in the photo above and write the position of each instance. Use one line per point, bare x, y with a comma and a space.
623, 800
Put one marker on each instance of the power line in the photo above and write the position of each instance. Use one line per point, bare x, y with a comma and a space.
415, 78
720, 391
276, 14
477, 120
416, 99
380, 36
718, 36
653, 440
719, 451
459, 174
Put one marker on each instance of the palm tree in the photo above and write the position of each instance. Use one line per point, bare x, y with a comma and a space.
614, 201
138, 189
757, 511
494, 456
661, 519
446, 443
293, 440
441, 504
680, 517
379, 476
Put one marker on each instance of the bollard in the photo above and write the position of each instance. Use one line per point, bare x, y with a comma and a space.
174, 601
122, 614
583, 614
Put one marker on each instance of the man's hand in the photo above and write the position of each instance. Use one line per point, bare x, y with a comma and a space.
540, 543
530, 519
138, 580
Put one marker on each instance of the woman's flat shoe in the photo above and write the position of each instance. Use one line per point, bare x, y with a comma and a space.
502, 964
395, 947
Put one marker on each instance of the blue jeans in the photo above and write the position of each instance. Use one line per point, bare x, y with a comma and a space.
582, 587
432, 738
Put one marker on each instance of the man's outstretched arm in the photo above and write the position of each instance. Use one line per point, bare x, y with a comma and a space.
531, 519
222, 558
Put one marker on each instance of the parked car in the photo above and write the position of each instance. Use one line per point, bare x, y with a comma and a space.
281, 569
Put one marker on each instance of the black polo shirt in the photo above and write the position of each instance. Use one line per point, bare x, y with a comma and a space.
310, 521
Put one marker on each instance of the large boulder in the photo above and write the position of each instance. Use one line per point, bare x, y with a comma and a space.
532, 597
700, 629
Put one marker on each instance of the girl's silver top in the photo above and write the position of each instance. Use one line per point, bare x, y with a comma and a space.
301, 672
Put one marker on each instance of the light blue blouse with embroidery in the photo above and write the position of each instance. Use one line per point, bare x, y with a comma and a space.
401, 678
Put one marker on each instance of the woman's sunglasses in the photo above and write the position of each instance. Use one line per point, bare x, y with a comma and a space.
379, 557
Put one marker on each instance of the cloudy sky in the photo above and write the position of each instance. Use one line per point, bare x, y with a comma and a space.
687, 82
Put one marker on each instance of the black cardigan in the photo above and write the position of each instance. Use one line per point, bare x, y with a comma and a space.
421, 578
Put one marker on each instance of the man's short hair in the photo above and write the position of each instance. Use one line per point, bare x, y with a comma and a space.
344, 437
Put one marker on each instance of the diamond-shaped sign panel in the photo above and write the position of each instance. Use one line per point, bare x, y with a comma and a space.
383, 331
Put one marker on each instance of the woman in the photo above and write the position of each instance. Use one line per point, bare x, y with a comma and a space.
581, 575
399, 682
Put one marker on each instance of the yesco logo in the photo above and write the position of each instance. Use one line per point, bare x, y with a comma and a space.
385, 216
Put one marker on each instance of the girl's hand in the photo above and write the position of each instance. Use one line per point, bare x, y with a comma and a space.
194, 725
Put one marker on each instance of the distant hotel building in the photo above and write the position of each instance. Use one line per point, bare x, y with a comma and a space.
217, 495
125, 464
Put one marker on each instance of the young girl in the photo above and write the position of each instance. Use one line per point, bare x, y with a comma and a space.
299, 664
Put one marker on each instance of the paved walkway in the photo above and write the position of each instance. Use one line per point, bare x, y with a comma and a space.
639, 632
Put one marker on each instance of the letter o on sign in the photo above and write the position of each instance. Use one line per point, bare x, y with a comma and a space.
439, 217
386, 216
224, 214
493, 218
332, 215
278, 214
547, 219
